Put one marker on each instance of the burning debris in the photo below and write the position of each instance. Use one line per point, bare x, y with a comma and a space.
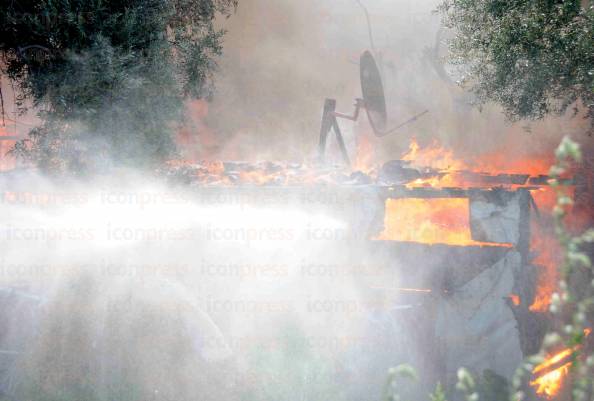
456, 244
219, 173
439, 204
462, 272
451, 255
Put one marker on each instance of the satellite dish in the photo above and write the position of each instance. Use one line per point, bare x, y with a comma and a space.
374, 102
374, 99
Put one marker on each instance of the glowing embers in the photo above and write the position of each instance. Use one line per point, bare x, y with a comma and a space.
429, 221
553, 370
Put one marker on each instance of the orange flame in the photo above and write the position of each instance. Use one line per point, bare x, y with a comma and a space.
550, 383
515, 298
448, 173
548, 254
428, 221
450, 169
7, 162
434, 156
365, 156
256, 177
195, 139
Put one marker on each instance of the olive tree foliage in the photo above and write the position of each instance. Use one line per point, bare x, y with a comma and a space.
108, 77
532, 57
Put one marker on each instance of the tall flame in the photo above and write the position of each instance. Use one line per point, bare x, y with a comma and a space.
548, 253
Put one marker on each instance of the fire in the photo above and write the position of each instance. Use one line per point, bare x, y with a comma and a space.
218, 173
500, 160
255, 177
451, 171
547, 249
515, 298
6, 162
445, 169
214, 167
365, 156
195, 138
428, 221
434, 156
550, 383
553, 360
547, 259
447, 220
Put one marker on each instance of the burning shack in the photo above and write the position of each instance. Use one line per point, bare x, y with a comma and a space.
454, 266
422, 261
